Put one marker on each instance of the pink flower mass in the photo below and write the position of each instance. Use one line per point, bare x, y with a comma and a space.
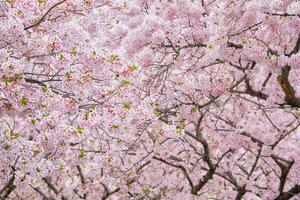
149, 99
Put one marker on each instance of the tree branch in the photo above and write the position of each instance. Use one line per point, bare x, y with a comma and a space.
108, 193
185, 173
290, 193
296, 47
287, 88
285, 167
44, 16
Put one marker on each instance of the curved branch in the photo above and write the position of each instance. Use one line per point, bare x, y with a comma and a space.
44, 16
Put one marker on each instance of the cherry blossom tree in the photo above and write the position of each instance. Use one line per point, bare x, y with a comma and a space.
149, 99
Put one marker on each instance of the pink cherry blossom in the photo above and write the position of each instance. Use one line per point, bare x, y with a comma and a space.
140, 99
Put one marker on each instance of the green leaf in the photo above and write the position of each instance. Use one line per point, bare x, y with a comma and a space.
126, 105
114, 126
7, 147
74, 51
109, 160
41, 1
243, 42
126, 82
10, 67
146, 190
61, 167
113, 58
86, 115
45, 115
176, 56
68, 75
81, 154
44, 89
180, 131
33, 120
194, 109
38, 169
61, 56
11, 79
80, 130
134, 67
44, 105
24, 101
157, 113
210, 46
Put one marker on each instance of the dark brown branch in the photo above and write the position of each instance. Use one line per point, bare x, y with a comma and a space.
9, 187
244, 30
142, 166
253, 139
234, 45
256, 161
80, 196
266, 80
50, 185
296, 47
241, 192
281, 137
202, 3
206, 157
82, 179
283, 14
290, 97
185, 173
80, 174
230, 178
38, 190
44, 16
285, 167
108, 193
252, 92
269, 119
29, 80
290, 193
8, 184
177, 48
223, 155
